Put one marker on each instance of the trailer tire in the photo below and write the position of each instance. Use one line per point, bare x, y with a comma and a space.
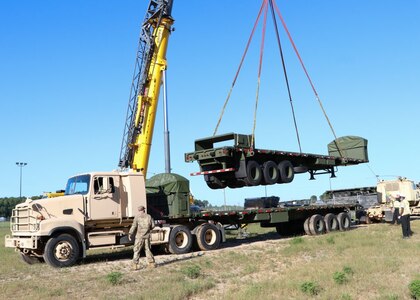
306, 226
286, 172
215, 183
30, 259
316, 225
253, 173
208, 237
331, 222
180, 240
270, 172
62, 251
344, 221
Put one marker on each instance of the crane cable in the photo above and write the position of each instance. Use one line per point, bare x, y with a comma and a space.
307, 75
285, 75
239, 68
259, 73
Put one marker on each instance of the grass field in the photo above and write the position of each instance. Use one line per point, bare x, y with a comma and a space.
369, 262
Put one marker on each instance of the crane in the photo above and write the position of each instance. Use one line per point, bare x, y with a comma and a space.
145, 87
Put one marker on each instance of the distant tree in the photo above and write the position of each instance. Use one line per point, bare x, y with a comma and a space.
201, 203
7, 204
314, 198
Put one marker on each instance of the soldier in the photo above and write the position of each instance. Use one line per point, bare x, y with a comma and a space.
396, 209
142, 224
405, 213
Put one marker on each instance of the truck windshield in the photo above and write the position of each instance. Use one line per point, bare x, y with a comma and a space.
78, 185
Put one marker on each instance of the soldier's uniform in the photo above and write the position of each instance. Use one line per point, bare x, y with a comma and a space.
142, 225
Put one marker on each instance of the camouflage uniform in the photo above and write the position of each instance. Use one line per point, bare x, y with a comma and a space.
142, 224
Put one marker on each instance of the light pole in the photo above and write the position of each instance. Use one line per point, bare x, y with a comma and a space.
21, 165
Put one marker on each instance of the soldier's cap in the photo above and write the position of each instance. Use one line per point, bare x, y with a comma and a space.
141, 208
402, 196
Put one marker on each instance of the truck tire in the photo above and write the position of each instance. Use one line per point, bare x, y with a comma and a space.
286, 172
306, 226
344, 221
180, 240
316, 225
30, 259
253, 173
62, 251
270, 172
208, 237
331, 222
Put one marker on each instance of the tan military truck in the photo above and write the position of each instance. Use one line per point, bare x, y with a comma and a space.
386, 190
97, 211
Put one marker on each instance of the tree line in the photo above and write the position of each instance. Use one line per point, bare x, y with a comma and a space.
9, 203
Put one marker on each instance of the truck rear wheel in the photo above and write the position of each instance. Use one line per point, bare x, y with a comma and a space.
331, 222
306, 226
253, 173
208, 237
287, 174
270, 172
316, 225
344, 221
180, 240
62, 251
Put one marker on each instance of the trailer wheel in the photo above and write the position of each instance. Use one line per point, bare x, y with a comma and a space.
344, 221
316, 225
62, 251
286, 172
30, 259
306, 226
270, 172
331, 222
180, 240
253, 173
208, 237
215, 183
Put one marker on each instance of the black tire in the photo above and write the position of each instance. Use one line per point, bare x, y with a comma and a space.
306, 226
253, 173
316, 225
180, 240
270, 172
283, 229
344, 221
208, 237
331, 222
215, 183
62, 251
31, 260
287, 174
300, 169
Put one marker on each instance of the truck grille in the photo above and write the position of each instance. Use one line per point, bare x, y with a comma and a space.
23, 219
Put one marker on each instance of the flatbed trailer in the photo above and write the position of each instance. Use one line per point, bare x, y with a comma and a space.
243, 165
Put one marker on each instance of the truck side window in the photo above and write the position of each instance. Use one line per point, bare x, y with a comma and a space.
111, 186
98, 185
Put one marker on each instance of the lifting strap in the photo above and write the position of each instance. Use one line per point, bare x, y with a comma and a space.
239, 68
307, 75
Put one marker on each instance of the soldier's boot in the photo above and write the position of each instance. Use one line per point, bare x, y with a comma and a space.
135, 266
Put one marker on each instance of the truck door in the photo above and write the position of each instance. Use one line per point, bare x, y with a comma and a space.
105, 198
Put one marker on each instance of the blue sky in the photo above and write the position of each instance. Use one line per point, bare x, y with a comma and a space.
66, 70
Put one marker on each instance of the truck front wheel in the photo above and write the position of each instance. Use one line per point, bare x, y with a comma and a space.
62, 251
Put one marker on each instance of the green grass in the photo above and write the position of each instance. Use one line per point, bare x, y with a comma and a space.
368, 259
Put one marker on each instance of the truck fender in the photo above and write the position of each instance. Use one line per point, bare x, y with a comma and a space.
52, 227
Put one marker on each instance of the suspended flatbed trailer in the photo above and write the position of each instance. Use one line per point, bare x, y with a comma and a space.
242, 164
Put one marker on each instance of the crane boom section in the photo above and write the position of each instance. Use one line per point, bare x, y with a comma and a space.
147, 102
